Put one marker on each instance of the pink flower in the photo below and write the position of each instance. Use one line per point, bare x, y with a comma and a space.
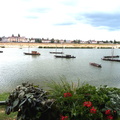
67, 94
87, 104
93, 110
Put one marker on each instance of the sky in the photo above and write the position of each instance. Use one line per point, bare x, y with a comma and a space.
61, 19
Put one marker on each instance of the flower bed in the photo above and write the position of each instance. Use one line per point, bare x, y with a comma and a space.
65, 101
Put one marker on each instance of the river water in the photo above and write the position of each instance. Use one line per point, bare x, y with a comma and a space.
16, 68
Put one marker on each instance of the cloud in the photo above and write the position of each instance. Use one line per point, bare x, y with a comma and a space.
32, 17
65, 23
67, 19
39, 10
70, 2
102, 20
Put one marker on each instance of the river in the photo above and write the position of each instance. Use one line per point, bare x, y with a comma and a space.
16, 68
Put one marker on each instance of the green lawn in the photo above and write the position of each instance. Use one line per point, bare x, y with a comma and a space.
3, 116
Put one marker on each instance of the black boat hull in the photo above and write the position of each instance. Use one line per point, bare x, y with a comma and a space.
64, 56
116, 60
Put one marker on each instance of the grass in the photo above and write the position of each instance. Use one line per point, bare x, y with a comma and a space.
4, 116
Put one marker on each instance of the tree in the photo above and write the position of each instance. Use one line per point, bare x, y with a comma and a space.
115, 41
111, 41
58, 41
38, 40
18, 35
64, 41
52, 40
78, 41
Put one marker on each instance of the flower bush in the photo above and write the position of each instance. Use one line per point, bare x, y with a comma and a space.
65, 101
86, 102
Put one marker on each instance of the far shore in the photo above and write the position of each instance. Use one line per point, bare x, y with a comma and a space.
58, 45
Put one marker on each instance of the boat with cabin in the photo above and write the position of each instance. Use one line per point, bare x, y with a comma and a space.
32, 53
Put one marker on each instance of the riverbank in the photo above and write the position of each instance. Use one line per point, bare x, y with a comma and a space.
59, 45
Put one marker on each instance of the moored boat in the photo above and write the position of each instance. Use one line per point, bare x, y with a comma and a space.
64, 56
1, 51
32, 53
96, 65
56, 52
111, 59
116, 56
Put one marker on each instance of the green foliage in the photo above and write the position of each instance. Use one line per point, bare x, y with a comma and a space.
86, 102
64, 101
31, 103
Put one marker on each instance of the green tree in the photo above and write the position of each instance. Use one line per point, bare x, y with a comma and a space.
52, 40
18, 35
38, 40
115, 41
111, 41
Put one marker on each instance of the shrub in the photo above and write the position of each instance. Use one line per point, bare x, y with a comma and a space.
32, 103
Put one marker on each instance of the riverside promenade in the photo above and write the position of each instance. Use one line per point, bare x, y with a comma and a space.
59, 45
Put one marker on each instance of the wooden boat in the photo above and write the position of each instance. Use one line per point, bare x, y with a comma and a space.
64, 56
111, 59
32, 53
56, 52
1, 51
96, 65
116, 56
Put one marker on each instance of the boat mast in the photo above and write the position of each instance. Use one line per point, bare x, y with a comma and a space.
112, 52
62, 48
28, 46
56, 47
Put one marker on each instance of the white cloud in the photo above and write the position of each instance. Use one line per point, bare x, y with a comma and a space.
57, 18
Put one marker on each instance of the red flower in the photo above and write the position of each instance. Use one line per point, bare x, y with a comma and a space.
107, 112
67, 94
64, 117
87, 104
93, 110
110, 117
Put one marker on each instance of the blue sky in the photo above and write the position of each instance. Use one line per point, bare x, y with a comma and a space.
61, 19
